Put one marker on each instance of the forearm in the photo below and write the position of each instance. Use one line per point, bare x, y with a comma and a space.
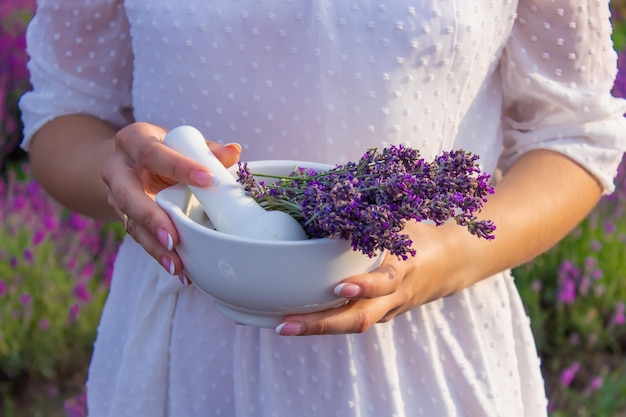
67, 156
541, 199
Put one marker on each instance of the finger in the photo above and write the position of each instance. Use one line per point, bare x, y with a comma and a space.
143, 144
382, 281
227, 154
147, 223
353, 317
147, 152
169, 260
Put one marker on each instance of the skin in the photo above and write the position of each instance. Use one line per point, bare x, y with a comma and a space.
116, 172
539, 200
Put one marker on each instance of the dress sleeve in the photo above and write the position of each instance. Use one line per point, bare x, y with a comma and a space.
80, 62
558, 70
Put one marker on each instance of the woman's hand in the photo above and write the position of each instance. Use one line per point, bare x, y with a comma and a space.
90, 168
138, 169
394, 288
542, 197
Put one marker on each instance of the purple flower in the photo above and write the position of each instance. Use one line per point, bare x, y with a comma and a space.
87, 271
77, 406
77, 222
14, 78
596, 246
590, 263
71, 263
567, 291
568, 275
38, 237
369, 202
50, 222
28, 255
19, 203
596, 274
568, 374
25, 299
44, 323
594, 384
73, 313
568, 268
609, 227
82, 292
3, 287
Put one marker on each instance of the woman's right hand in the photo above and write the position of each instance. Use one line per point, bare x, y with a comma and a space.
138, 169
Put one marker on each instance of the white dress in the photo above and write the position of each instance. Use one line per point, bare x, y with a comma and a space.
324, 80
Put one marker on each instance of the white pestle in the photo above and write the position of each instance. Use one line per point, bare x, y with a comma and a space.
226, 203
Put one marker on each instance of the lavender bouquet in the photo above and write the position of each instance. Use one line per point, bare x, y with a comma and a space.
369, 202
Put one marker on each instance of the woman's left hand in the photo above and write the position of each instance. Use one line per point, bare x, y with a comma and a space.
394, 288
531, 215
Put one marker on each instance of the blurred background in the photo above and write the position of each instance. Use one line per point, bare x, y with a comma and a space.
55, 268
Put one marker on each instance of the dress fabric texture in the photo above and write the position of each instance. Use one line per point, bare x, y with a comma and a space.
323, 81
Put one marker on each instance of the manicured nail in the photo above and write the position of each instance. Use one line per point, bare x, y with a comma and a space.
165, 239
289, 328
347, 290
203, 178
169, 266
236, 145
184, 279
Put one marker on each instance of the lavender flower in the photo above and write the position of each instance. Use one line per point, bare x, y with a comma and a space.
36, 289
76, 406
44, 323
569, 275
370, 201
14, 79
568, 374
594, 384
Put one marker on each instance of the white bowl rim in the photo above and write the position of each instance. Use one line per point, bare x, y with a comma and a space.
174, 210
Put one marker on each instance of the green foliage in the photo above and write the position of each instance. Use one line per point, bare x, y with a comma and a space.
38, 311
54, 272
575, 298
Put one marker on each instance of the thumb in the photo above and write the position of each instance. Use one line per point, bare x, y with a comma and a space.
227, 154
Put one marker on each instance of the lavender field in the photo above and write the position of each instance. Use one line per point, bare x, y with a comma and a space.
55, 268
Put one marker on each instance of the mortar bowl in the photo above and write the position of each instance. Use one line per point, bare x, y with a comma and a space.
258, 282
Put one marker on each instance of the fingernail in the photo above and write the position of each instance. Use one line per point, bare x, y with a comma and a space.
169, 266
289, 328
184, 279
203, 178
165, 239
236, 145
347, 290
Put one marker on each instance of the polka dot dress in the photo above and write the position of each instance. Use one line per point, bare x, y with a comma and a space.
324, 80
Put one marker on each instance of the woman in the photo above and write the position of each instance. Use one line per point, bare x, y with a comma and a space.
524, 84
